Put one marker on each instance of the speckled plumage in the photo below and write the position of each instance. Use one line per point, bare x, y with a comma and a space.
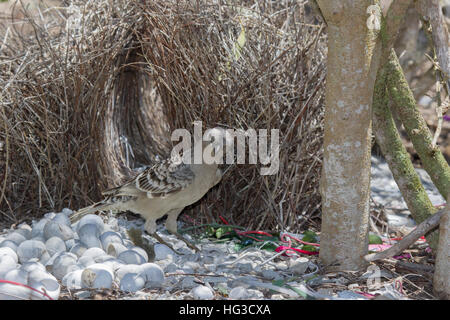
164, 188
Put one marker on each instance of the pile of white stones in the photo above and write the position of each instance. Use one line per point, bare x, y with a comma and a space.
87, 254
96, 253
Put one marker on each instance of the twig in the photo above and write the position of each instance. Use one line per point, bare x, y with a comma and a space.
409, 239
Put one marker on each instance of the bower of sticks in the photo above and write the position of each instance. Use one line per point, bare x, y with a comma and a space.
90, 92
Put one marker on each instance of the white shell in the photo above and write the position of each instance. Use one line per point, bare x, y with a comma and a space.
67, 211
39, 238
299, 265
141, 251
115, 249
132, 282
17, 275
86, 261
6, 251
108, 237
38, 228
7, 263
105, 258
30, 249
202, 293
91, 219
72, 280
13, 292
79, 249
16, 237
162, 252
113, 263
25, 230
97, 276
32, 265
131, 257
154, 275
63, 264
49, 215
239, 293
44, 282
45, 258
94, 253
57, 229
122, 270
70, 243
9, 244
55, 245
89, 235
62, 219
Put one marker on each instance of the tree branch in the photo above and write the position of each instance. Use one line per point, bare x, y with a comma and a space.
409, 239
432, 13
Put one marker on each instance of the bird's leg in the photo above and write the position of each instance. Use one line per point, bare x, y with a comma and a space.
150, 227
172, 227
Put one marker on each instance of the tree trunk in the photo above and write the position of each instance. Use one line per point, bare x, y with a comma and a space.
441, 279
398, 158
404, 104
353, 58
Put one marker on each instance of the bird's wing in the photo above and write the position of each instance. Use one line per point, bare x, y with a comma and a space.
159, 180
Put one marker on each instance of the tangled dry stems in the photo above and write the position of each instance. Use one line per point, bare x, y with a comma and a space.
92, 90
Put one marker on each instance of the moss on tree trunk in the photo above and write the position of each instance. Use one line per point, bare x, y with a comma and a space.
398, 158
404, 104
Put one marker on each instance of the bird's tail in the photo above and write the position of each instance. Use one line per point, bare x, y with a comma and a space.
102, 205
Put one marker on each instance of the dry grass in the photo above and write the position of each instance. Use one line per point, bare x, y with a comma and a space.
95, 89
